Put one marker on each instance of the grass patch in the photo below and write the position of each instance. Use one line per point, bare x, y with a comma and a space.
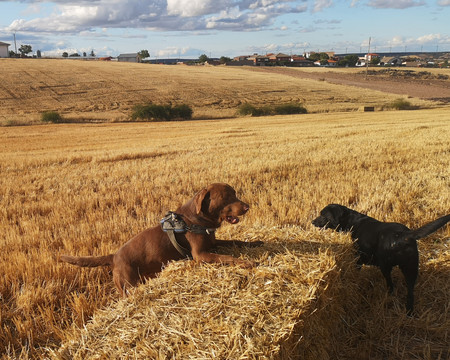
402, 104
288, 109
153, 112
51, 117
9, 123
283, 109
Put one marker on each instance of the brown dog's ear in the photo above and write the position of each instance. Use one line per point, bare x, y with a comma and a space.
202, 201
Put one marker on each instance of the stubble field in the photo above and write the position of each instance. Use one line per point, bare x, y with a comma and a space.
107, 91
87, 188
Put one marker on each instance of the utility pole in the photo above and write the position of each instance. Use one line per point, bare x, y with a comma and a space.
367, 59
15, 44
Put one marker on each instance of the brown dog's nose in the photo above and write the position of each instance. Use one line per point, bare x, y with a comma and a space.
246, 207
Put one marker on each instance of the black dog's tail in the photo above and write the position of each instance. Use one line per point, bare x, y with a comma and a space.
429, 228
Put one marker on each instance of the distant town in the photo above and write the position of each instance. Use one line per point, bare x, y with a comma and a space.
306, 59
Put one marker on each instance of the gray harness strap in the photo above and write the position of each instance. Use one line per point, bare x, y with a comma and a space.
184, 252
173, 223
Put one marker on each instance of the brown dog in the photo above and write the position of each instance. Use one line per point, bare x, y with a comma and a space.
143, 256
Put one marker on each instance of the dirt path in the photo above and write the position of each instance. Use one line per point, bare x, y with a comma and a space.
420, 84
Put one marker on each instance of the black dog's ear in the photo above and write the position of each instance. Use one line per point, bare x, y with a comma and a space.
334, 213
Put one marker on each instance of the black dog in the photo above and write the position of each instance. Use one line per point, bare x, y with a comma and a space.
382, 244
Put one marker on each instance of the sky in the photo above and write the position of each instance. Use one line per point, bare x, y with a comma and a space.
190, 28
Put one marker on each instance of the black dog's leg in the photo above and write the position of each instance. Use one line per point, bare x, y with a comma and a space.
359, 263
386, 270
410, 272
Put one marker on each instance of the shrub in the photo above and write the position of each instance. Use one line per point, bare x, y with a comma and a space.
287, 109
402, 104
246, 109
161, 112
182, 111
283, 109
51, 116
149, 112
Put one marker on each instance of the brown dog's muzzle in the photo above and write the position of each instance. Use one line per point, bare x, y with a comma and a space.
233, 211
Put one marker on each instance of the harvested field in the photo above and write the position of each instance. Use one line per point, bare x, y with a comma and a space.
87, 188
87, 91
426, 84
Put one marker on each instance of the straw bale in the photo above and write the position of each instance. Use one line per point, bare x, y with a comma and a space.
202, 311
305, 300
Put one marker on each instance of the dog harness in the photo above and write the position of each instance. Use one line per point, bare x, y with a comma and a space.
173, 224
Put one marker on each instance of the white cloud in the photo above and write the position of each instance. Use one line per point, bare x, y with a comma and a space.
429, 39
433, 39
397, 4
190, 8
444, 2
319, 5
171, 52
164, 15
32, 9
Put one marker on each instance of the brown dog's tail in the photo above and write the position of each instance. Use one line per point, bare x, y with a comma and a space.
429, 228
88, 261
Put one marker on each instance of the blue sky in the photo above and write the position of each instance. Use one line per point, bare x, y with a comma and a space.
189, 28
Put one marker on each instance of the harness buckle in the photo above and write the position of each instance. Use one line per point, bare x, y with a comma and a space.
173, 222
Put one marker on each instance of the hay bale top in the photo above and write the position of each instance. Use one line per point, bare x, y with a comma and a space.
202, 311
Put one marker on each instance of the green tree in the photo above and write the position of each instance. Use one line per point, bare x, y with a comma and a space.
342, 62
351, 59
65, 54
143, 54
323, 56
314, 57
224, 59
25, 49
375, 60
92, 54
203, 58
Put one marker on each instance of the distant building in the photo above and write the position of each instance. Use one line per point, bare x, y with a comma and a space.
241, 57
259, 60
297, 60
134, 58
279, 58
390, 61
369, 57
332, 63
4, 52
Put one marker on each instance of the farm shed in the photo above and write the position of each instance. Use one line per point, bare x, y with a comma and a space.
4, 53
390, 61
129, 58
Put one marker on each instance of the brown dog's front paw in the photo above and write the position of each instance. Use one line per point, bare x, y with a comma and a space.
246, 264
